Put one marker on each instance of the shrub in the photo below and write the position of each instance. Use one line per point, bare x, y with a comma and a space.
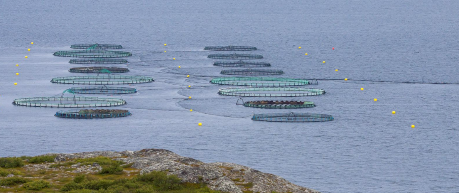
36, 185
98, 184
115, 168
12, 181
161, 180
42, 159
11, 162
71, 186
79, 178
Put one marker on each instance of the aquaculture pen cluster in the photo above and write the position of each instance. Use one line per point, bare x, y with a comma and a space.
90, 54
264, 86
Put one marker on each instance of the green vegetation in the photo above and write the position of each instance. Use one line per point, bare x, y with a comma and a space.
151, 182
42, 159
11, 162
114, 177
12, 181
36, 185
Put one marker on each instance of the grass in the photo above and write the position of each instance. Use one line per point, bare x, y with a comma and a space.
36, 185
11, 162
149, 183
114, 177
13, 181
42, 159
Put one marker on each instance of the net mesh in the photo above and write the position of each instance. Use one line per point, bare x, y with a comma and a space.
241, 63
96, 46
292, 117
271, 92
102, 90
279, 104
252, 72
93, 113
230, 48
92, 53
69, 102
98, 61
102, 80
261, 81
98, 70
235, 56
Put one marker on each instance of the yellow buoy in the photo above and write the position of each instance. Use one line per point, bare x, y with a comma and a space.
323, 61
299, 47
179, 67
25, 57
306, 54
375, 99
17, 64
345, 79
17, 74
336, 70
173, 58
191, 110
31, 42
164, 50
165, 44
189, 86
200, 124
28, 49
361, 88
412, 126
189, 97
393, 112
188, 76
15, 83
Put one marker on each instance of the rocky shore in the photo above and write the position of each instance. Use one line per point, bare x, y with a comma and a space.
219, 176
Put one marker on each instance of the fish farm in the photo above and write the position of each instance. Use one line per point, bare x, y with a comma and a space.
235, 56
98, 70
93, 113
261, 81
270, 92
252, 72
102, 80
292, 117
92, 53
230, 48
69, 102
279, 104
241, 63
98, 61
96, 46
102, 90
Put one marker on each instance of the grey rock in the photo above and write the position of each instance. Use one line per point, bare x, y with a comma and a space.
225, 177
10, 175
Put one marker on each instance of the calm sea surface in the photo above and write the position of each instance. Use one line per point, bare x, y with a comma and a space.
404, 53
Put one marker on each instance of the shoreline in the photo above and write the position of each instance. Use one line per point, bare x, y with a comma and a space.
217, 176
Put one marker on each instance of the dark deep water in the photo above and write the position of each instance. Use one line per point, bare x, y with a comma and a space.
397, 50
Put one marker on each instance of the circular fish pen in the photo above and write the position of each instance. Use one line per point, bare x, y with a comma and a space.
93, 113
252, 72
92, 53
102, 80
261, 81
235, 56
230, 48
292, 117
69, 102
279, 104
98, 61
271, 92
241, 63
102, 90
98, 70
96, 46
